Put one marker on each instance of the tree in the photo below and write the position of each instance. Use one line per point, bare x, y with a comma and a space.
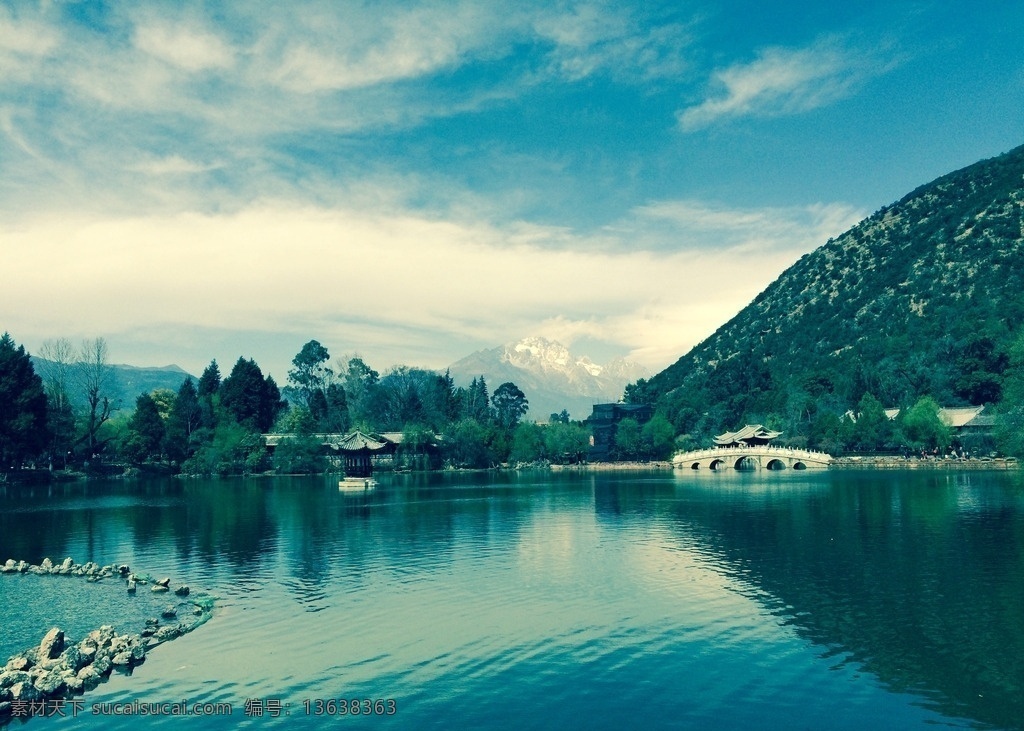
164, 400
527, 444
562, 417
270, 405
466, 445
254, 401
640, 392
23, 406
565, 442
311, 372
628, 439
981, 366
416, 447
93, 373
477, 403
183, 422
872, 429
360, 383
510, 405
400, 401
145, 432
923, 427
206, 391
209, 381
449, 404
1010, 421
301, 454
336, 418
55, 366
659, 437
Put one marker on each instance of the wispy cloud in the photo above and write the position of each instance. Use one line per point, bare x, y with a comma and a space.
693, 224
592, 38
783, 81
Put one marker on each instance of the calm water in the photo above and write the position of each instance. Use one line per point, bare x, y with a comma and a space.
599, 601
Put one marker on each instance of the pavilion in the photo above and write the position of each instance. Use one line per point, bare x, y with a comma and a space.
359, 449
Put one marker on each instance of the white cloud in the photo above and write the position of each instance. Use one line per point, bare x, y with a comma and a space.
783, 81
174, 165
20, 37
376, 277
189, 48
360, 50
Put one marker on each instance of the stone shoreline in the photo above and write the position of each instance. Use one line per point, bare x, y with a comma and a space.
56, 669
916, 463
611, 466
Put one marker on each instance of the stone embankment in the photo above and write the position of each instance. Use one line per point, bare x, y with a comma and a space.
928, 463
612, 466
57, 669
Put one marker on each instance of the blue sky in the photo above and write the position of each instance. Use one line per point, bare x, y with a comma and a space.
415, 181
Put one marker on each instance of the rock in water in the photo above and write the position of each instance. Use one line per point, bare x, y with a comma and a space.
49, 683
52, 644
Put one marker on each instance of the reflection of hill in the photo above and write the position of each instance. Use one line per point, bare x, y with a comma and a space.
919, 580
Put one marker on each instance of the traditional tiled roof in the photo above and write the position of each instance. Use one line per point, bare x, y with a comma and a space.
357, 441
959, 416
750, 431
352, 441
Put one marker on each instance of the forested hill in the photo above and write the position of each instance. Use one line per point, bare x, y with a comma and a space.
921, 298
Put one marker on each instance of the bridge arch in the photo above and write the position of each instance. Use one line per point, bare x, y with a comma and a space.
799, 466
716, 463
775, 464
745, 462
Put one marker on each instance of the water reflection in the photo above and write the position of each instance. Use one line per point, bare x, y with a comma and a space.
609, 579
916, 578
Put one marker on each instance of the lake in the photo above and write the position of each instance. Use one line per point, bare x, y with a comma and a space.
597, 600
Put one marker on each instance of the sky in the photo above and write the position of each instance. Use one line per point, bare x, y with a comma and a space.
415, 181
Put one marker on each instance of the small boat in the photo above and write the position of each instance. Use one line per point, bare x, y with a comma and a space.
357, 484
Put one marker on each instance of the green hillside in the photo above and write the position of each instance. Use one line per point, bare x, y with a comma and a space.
922, 298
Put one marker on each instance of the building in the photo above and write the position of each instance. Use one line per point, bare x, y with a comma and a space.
604, 421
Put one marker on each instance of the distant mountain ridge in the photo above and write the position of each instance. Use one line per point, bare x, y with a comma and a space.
128, 382
551, 376
921, 298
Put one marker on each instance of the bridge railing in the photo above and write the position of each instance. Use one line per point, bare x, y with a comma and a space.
761, 449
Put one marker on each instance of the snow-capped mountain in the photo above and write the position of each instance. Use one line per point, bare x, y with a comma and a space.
551, 377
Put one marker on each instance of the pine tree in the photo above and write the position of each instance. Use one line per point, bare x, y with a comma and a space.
145, 432
23, 419
185, 418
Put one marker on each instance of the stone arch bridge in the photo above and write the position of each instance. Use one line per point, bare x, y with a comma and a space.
752, 457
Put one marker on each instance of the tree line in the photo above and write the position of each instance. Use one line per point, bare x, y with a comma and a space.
63, 417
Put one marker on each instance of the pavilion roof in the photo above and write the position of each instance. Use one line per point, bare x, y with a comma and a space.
958, 416
750, 431
358, 441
